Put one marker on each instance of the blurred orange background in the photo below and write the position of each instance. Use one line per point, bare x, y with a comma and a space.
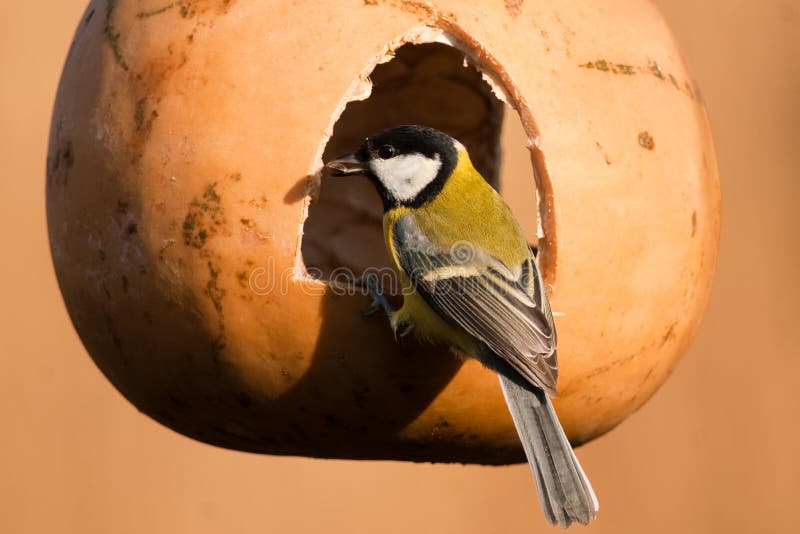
716, 450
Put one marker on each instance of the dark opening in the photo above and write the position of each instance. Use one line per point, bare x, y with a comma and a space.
433, 85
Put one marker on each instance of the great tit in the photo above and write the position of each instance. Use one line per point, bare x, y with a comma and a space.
470, 281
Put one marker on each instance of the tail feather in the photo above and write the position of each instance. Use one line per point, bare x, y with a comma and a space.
564, 491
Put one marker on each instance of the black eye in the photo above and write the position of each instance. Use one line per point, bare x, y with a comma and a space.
386, 152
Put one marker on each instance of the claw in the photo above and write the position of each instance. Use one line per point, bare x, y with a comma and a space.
373, 307
401, 326
379, 300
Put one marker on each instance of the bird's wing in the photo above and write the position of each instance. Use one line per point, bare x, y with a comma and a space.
505, 307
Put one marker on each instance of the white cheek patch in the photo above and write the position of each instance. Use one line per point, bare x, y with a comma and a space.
406, 175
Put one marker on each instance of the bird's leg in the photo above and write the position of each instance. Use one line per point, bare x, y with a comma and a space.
369, 282
401, 324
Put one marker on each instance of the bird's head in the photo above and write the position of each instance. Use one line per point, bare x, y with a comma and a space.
408, 164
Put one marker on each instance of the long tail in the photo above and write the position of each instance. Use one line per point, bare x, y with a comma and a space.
564, 490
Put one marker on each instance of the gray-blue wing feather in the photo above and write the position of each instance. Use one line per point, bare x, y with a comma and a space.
503, 306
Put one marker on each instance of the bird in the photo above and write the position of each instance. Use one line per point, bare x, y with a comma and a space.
470, 281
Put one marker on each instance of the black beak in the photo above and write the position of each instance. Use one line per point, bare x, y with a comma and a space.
347, 165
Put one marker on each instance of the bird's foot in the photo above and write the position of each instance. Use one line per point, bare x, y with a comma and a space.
401, 324
369, 282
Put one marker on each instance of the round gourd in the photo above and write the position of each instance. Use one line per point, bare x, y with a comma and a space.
185, 157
